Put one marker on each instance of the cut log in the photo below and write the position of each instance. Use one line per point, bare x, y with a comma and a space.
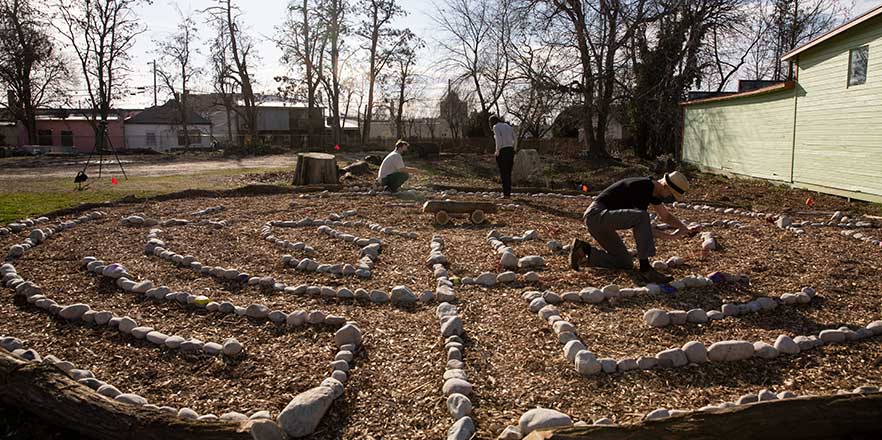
48, 394
458, 207
441, 217
477, 217
818, 417
315, 169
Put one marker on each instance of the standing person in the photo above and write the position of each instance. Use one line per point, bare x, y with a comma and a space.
504, 136
393, 173
623, 205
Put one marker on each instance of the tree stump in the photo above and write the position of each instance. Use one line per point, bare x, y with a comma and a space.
315, 169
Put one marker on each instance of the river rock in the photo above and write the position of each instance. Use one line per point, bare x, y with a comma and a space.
673, 357
403, 295
786, 345
726, 351
350, 334
459, 406
764, 350
531, 262
74, 311
455, 385
257, 311
131, 399
543, 418
695, 352
232, 347
586, 363
572, 348
657, 318
304, 412
696, 316
463, 429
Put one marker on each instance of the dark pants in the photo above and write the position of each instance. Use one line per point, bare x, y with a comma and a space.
603, 225
394, 181
505, 161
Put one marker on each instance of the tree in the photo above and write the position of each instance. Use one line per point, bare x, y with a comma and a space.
399, 83
177, 52
100, 33
795, 22
336, 28
668, 64
31, 67
222, 81
597, 32
476, 33
380, 41
533, 108
455, 111
226, 15
303, 42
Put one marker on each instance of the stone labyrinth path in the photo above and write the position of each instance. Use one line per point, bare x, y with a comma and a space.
349, 315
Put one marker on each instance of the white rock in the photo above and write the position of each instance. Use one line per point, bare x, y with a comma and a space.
572, 348
74, 311
456, 386
586, 363
463, 429
510, 433
506, 277
486, 279
543, 418
232, 347
304, 412
697, 316
531, 262
764, 350
730, 351
592, 295
403, 295
131, 399
350, 334
657, 318
657, 414
459, 406
673, 357
696, 352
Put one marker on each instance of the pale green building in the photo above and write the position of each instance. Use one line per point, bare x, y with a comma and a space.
822, 131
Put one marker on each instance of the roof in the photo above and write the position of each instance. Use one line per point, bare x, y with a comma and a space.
869, 15
787, 85
166, 114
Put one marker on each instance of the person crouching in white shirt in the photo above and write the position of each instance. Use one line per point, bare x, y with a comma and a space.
504, 136
393, 173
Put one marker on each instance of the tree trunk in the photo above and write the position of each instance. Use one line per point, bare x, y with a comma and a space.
805, 418
315, 169
47, 393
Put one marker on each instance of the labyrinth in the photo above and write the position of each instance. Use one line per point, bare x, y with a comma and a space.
352, 315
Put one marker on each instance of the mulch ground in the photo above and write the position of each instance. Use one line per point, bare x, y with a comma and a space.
513, 359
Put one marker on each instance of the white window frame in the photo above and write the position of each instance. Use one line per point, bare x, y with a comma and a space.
851, 59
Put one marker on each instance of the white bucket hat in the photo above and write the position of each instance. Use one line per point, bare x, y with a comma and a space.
678, 184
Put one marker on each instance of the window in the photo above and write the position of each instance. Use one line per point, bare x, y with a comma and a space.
67, 138
44, 137
151, 139
857, 65
194, 138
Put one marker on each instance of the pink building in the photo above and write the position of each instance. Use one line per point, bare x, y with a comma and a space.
72, 133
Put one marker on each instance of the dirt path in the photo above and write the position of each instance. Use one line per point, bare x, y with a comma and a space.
137, 165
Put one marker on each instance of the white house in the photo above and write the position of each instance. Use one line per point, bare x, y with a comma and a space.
160, 129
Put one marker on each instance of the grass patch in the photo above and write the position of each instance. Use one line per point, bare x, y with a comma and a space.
29, 197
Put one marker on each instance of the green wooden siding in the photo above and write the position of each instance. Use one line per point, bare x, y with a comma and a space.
834, 142
750, 135
839, 128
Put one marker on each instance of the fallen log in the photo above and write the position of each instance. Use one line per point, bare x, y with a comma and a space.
809, 418
50, 395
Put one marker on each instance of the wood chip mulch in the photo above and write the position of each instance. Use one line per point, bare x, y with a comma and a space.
513, 359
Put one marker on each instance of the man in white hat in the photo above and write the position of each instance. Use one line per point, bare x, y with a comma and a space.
623, 205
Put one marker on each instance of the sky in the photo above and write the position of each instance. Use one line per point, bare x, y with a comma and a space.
260, 18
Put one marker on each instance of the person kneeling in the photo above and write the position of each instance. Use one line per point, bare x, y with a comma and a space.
393, 173
623, 205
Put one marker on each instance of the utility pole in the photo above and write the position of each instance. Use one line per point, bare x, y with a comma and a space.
154, 83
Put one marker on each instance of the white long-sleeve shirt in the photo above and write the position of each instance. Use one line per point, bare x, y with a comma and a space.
504, 136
